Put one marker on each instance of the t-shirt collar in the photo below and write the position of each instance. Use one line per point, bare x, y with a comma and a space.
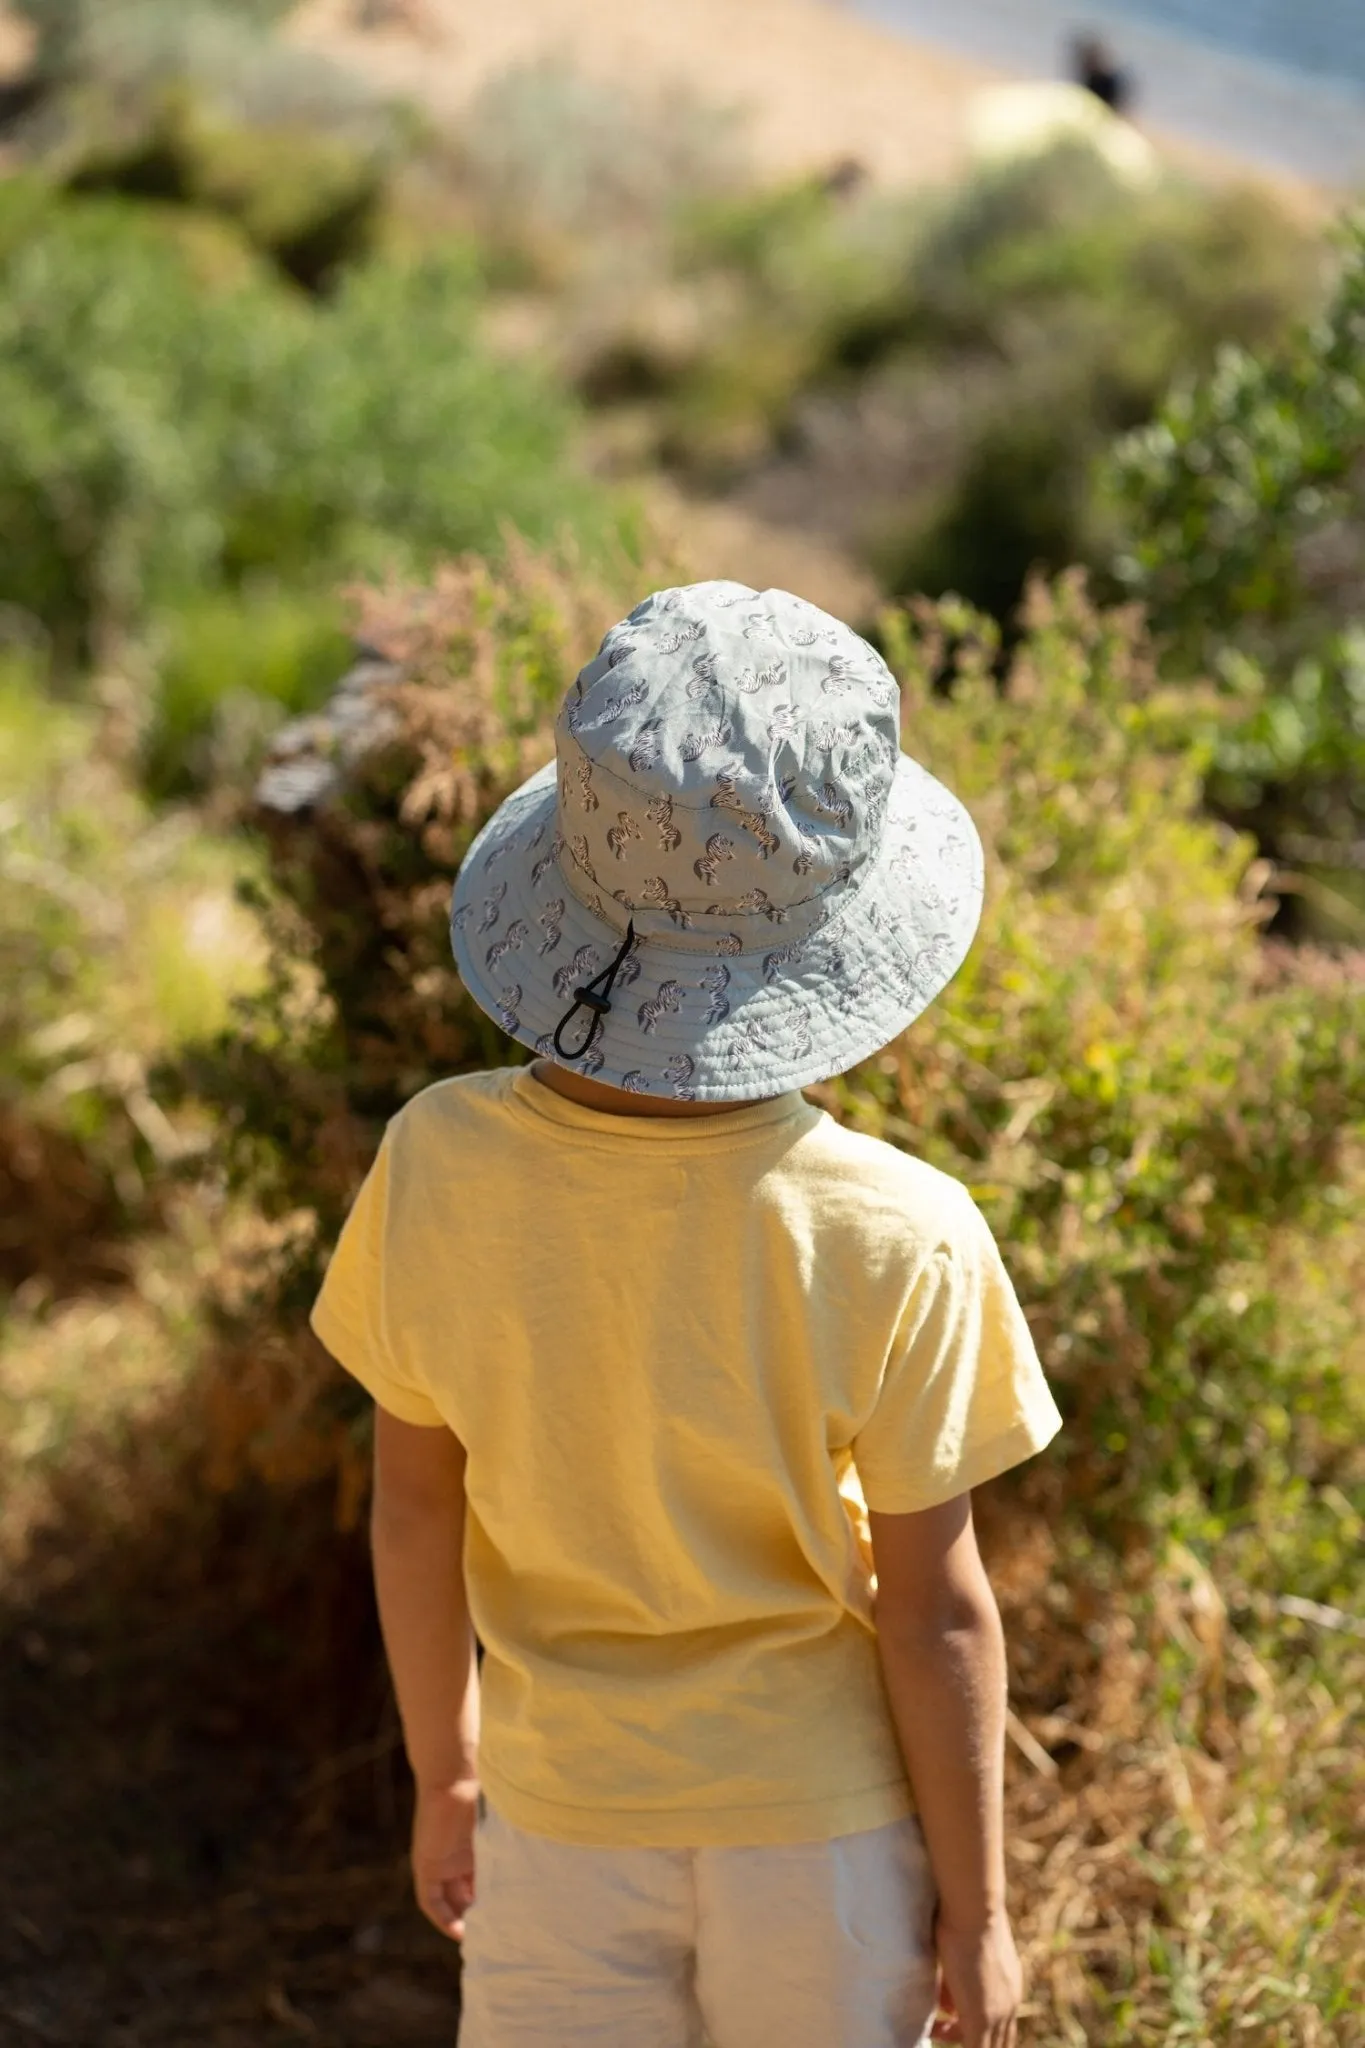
687, 1130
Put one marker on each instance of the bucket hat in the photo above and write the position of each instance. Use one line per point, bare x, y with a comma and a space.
730, 881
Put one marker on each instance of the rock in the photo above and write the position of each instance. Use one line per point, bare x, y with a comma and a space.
310, 756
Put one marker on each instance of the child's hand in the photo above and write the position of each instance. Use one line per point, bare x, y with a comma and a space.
981, 1983
443, 1853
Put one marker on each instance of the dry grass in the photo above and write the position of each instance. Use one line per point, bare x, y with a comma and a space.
204, 1793
208, 1800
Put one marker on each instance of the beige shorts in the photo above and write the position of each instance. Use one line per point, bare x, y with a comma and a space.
812, 1945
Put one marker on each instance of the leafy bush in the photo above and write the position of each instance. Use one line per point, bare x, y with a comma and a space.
1244, 518
565, 171
1161, 1117
789, 283
228, 669
119, 943
1003, 332
309, 201
132, 39
1062, 227
1140, 1093
166, 439
202, 106
373, 802
1144, 1093
1089, 300
406, 433
1019, 501
108, 74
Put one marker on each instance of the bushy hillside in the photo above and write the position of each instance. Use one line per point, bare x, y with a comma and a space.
1159, 1113
1242, 509
260, 411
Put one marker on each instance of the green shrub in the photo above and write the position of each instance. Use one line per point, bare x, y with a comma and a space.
26, 202
409, 436
1159, 1114
1245, 464
118, 944
163, 439
1004, 331
1088, 299
739, 302
312, 202
1144, 1094
228, 669
1063, 228
309, 201
80, 37
136, 932
565, 171
108, 466
113, 75
1243, 524
1141, 1095
1019, 502
202, 105
728, 410
796, 286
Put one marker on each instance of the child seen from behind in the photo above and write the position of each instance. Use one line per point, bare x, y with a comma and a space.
682, 1388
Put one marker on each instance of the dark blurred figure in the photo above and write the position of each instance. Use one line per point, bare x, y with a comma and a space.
1094, 68
412, 15
844, 178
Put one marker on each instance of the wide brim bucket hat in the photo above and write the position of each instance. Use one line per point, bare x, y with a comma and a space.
730, 881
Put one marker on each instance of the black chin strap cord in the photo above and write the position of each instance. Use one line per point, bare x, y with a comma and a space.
588, 998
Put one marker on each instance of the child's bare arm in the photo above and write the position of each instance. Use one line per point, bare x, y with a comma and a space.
417, 1535
943, 1655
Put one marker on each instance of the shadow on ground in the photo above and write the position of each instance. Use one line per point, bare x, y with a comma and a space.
205, 1800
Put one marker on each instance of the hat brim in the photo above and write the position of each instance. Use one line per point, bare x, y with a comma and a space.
708, 1026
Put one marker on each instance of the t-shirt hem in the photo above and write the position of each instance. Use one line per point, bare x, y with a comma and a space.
1023, 1441
352, 1356
605, 1827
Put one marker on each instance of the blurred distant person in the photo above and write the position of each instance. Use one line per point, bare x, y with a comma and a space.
1093, 66
412, 16
844, 178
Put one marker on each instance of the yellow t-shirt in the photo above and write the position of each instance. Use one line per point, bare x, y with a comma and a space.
672, 1349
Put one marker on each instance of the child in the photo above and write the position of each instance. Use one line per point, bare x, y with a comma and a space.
666, 1361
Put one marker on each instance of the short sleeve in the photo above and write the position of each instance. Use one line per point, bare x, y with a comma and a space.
963, 1397
349, 1313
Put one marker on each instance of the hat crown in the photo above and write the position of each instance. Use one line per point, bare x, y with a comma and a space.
725, 763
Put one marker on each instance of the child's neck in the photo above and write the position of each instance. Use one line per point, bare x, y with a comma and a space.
620, 1101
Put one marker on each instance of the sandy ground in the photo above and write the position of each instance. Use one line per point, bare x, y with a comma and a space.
15, 43
816, 82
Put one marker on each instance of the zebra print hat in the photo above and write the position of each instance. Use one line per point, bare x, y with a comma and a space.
730, 881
